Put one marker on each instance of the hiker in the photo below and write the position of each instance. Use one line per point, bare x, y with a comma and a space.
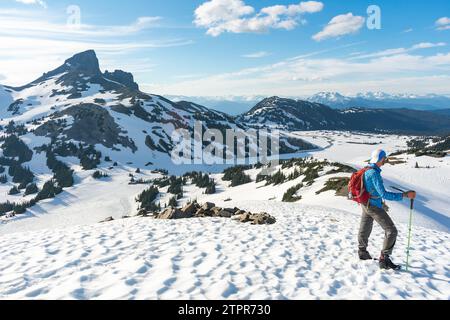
373, 210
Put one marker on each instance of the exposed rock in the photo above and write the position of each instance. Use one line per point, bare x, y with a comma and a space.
92, 125
262, 218
232, 210
195, 210
85, 62
201, 213
122, 77
225, 214
167, 214
143, 213
172, 213
189, 209
215, 211
245, 217
208, 206
109, 219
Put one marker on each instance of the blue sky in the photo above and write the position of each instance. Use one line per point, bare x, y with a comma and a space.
236, 47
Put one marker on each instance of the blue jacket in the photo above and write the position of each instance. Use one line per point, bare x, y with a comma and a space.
374, 185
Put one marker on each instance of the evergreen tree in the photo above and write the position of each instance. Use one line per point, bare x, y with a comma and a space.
14, 191
14, 147
32, 188
99, 175
147, 198
49, 190
64, 177
3, 179
20, 174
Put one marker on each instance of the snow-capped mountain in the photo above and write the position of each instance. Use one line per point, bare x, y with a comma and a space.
290, 114
382, 100
332, 99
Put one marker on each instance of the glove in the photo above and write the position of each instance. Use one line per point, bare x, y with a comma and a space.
410, 195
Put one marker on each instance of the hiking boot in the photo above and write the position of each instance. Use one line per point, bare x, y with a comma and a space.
387, 264
364, 255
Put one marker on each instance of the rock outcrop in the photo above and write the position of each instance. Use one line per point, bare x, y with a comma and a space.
195, 210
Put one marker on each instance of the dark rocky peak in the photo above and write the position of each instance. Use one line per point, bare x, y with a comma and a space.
122, 77
84, 62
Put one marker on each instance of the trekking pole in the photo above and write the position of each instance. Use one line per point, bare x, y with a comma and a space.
398, 189
409, 233
411, 209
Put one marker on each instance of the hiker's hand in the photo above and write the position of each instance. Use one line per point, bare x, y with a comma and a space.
410, 194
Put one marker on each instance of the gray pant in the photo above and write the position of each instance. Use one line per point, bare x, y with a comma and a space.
369, 214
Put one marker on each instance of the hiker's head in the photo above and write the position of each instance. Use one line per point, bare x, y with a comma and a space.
379, 157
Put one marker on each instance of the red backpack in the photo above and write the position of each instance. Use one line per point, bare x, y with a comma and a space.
356, 189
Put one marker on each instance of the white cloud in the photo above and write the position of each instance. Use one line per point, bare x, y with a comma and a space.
16, 23
339, 26
219, 16
39, 2
408, 30
443, 23
256, 55
295, 76
25, 34
47, 54
390, 52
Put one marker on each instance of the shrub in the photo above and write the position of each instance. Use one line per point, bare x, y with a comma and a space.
236, 175
89, 158
202, 180
176, 186
211, 188
340, 185
276, 179
147, 198
6, 207
311, 174
290, 195
54, 164
99, 175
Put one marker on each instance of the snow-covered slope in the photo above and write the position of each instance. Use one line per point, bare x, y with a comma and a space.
76, 122
308, 254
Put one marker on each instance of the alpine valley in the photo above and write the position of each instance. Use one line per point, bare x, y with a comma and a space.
80, 146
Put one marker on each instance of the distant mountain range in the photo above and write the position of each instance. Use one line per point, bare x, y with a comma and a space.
383, 100
236, 105
294, 115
